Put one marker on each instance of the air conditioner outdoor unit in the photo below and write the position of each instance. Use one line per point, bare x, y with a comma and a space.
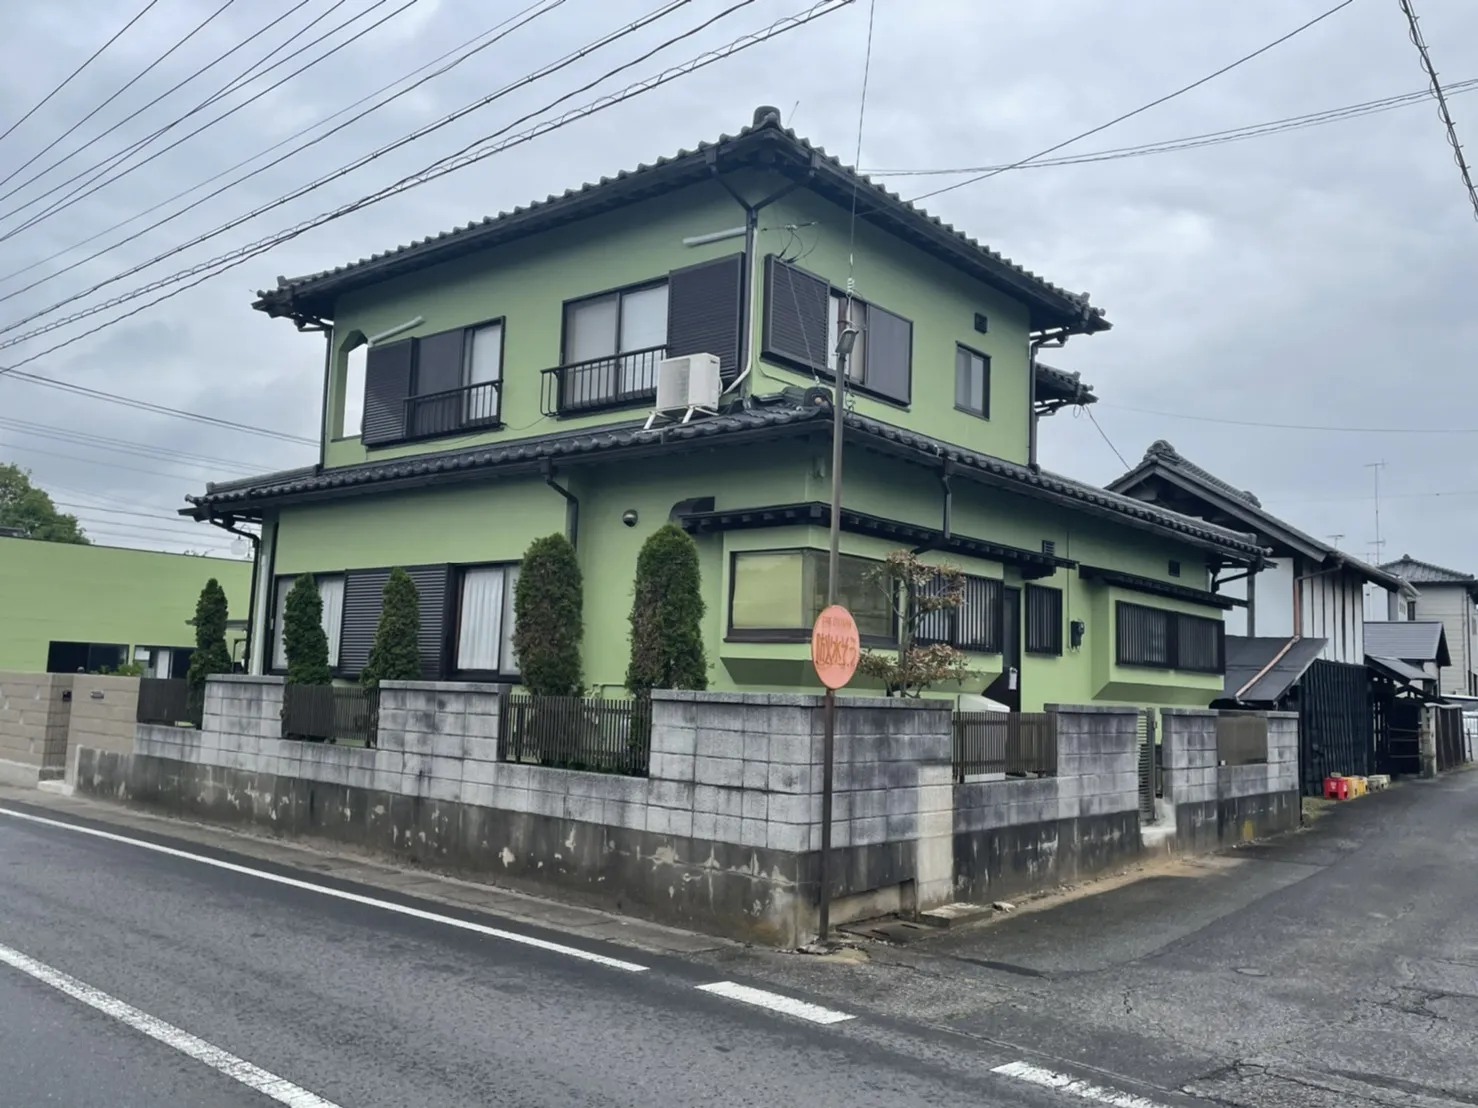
688, 384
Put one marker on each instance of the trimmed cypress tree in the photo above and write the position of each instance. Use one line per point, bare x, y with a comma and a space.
396, 655
549, 618
667, 615
302, 635
211, 653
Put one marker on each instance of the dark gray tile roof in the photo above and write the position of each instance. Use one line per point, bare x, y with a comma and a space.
1062, 384
1161, 451
758, 143
1410, 640
528, 455
1397, 668
1425, 573
1247, 657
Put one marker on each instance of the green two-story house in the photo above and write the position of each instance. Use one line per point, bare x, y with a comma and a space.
497, 382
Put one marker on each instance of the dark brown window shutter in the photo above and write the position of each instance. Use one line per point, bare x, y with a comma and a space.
796, 306
889, 354
387, 383
705, 311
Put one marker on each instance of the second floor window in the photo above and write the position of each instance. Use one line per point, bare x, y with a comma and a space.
972, 382
612, 345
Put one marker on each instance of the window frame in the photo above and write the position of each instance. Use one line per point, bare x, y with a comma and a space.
952, 616
984, 412
454, 625
123, 657
153, 651
1030, 644
1175, 661
619, 398
274, 629
466, 427
620, 292
791, 634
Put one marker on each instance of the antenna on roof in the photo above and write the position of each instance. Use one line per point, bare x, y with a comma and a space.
1379, 543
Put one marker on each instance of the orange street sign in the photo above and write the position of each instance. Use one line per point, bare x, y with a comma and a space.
835, 647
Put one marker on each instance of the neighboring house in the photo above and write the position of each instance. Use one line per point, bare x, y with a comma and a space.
513, 364
1449, 596
1416, 650
66, 608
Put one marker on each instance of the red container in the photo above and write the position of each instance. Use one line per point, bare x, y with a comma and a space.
1336, 788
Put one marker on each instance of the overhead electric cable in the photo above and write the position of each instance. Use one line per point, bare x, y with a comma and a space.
1419, 41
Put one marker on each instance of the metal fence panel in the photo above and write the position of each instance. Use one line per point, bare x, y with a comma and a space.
1241, 739
331, 713
1011, 743
167, 701
577, 732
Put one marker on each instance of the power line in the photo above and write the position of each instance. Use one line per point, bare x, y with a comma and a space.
1143, 108
1104, 434
1206, 139
88, 189
872, 8
474, 152
69, 77
11, 446
543, 10
1417, 40
605, 40
111, 97
121, 511
123, 446
1298, 426
281, 143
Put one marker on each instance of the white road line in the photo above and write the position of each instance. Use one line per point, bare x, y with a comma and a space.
279, 1089
1065, 1083
775, 1002
339, 894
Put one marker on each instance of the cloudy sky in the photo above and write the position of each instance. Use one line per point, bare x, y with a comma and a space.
1322, 277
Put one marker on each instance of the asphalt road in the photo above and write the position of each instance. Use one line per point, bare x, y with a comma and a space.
362, 1005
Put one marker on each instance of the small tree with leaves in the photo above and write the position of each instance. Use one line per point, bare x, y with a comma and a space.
667, 616
916, 591
396, 655
211, 654
32, 512
303, 638
549, 619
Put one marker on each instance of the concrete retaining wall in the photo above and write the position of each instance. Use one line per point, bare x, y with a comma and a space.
103, 712
1217, 806
1023, 834
34, 713
723, 835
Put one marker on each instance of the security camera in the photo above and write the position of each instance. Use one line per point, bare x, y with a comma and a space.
628, 517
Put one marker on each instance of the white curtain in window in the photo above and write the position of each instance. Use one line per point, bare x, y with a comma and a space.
331, 592
279, 644
591, 332
480, 630
484, 366
510, 658
643, 326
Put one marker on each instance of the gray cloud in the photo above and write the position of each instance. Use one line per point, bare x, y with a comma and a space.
1318, 277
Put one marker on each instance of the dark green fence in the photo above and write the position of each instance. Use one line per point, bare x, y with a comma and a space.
577, 732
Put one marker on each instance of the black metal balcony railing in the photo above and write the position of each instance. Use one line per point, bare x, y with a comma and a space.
444, 413
619, 381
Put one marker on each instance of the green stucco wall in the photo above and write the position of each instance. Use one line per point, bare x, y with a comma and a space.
58, 592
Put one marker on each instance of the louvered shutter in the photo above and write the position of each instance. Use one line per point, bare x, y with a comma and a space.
364, 599
796, 306
387, 383
704, 311
889, 370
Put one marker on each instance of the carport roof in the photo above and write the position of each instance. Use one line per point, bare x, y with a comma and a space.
1285, 661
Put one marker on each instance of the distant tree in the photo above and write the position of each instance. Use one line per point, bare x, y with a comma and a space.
303, 638
396, 655
667, 615
31, 511
916, 591
211, 654
549, 619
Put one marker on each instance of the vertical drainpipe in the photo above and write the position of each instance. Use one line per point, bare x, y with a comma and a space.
1031, 405
328, 373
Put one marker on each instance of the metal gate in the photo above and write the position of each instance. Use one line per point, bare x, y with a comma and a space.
1403, 748
1148, 765
1334, 723
1449, 725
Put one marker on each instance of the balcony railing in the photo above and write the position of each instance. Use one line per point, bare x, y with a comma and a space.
620, 381
443, 413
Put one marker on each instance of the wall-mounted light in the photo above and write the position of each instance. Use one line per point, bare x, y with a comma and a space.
629, 517
1075, 631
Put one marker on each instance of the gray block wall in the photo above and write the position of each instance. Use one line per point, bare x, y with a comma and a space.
724, 834
1019, 835
1216, 805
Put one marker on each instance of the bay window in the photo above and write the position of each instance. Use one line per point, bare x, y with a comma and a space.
777, 595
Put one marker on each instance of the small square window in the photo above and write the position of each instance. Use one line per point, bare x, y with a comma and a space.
1174, 569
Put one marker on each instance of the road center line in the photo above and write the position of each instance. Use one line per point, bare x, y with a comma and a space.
775, 1002
237, 1069
1065, 1083
339, 894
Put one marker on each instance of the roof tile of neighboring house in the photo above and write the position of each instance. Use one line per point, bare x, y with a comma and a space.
741, 424
1409, 640
763, 141
1425, 573
1063, 385
1163, 456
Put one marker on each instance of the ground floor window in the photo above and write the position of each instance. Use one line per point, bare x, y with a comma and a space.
485, 620
164, 661
975, 624
1161, 639
777, 595
85, 657
1043, 620
331, 593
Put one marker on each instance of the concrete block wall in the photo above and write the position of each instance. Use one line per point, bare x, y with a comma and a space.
34, 712
1022, 834
1217, 805
103, 712
723, 834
